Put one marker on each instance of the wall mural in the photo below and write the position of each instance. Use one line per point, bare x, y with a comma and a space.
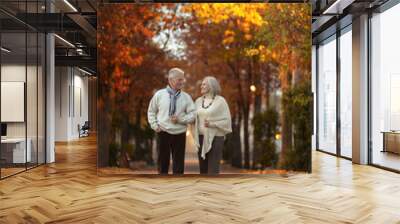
210, 88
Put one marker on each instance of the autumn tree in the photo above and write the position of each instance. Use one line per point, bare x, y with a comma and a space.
221, 35
128, 74
289, 38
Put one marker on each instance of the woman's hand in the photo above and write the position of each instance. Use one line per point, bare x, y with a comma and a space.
206, 123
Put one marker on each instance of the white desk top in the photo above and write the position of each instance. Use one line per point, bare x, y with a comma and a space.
13, 140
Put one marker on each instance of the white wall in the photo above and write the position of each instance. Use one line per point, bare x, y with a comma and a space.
71, 94
9, 73
34, 125
81, 89
12, 73
61, 103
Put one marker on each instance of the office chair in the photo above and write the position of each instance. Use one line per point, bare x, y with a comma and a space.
84, 130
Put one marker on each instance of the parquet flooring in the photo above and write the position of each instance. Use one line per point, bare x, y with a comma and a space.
70, 191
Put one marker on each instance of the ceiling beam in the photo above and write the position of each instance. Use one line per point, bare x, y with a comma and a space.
82, 61
337, 7
84, 24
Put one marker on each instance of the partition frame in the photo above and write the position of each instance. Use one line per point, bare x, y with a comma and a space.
382, 8
44, 82
338, 33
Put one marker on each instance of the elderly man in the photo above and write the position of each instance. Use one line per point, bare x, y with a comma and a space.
170, 111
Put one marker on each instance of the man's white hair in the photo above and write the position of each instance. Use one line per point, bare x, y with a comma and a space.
175, 72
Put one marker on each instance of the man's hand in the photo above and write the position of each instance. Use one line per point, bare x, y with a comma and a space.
174, 119
158, 129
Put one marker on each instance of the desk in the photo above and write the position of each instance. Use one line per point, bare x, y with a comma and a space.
16, 147
391, 141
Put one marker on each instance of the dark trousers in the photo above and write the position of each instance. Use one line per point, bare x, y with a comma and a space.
174, 145
211, 164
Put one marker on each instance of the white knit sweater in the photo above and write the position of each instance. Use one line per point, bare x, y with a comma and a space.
157, 113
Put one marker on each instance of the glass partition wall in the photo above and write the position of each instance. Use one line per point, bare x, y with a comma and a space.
334, 94
22, 88
334, 115
327, 95
385, 89
345, 61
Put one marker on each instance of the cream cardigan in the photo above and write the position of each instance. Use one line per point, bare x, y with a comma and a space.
219, 117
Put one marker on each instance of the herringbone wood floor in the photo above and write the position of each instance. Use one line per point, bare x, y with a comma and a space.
70, 191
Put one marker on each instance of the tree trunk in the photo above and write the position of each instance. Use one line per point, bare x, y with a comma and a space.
286, 126
124, 124
236, 146
246, 137
257, 110
105, 134
139, 113
267, 86
257, 104
240, 103
138, 117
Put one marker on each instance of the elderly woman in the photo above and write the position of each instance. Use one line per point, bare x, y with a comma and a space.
213, 122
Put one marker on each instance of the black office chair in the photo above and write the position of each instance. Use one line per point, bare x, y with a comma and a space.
84, 130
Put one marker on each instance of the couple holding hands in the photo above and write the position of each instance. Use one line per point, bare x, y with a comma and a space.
170, 112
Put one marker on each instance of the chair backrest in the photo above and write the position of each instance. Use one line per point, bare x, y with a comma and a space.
86, 125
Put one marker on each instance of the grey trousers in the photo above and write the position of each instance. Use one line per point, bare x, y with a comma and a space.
211, 164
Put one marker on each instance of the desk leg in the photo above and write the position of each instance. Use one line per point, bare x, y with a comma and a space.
384, 142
